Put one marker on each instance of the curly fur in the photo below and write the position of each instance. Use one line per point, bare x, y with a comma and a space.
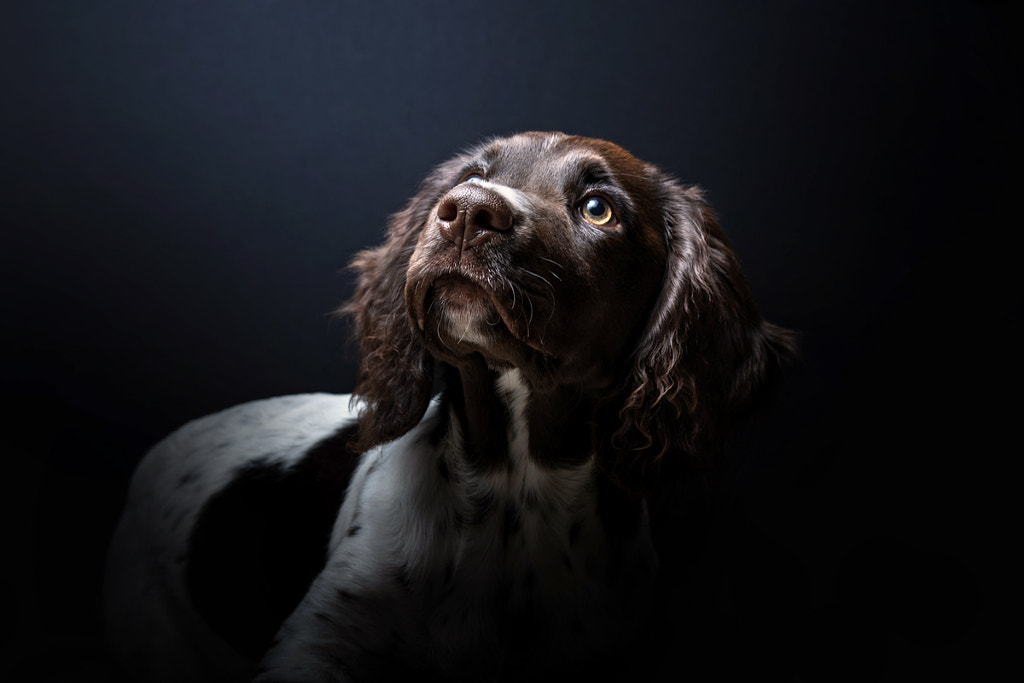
699, 361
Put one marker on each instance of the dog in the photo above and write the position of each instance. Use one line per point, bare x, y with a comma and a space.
552, 336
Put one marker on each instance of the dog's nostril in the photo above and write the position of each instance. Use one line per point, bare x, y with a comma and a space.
482, 219
448, 211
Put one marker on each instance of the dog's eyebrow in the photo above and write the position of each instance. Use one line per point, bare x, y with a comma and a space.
589, 171
488, 156
482, 160
471, 166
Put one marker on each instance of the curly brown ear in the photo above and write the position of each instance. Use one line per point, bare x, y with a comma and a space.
702, 359
395, 375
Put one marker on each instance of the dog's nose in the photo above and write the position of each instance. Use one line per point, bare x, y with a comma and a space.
471, 214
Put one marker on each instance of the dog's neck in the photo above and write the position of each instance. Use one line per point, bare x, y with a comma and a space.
502, 417
532, 445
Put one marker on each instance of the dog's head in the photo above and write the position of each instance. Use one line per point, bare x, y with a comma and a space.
583, 267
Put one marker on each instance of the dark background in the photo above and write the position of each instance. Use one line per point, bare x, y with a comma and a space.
183, 183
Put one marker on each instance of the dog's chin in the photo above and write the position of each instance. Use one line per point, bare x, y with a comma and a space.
460, 315
460, 318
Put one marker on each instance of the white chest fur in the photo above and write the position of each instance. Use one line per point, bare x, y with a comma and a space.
432, 561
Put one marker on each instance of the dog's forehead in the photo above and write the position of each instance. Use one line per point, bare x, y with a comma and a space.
550, 158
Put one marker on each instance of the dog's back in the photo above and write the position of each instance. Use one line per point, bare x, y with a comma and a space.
168, 616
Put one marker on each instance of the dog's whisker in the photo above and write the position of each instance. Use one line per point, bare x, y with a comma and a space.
540, 277
544, 258
469, 323
530, 321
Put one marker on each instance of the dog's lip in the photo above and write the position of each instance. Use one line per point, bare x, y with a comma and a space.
460, 288
507, 336
457, 288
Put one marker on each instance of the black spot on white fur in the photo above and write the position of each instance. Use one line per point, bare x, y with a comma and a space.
261, 540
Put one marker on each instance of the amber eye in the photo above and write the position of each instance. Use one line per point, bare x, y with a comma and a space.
597, 211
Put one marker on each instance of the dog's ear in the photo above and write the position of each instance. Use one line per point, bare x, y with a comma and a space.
395, 375
703, 357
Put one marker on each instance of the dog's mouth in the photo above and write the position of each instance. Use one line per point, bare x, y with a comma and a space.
464, 315
460, 291
456, 302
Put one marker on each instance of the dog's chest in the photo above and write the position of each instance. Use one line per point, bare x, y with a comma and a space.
481, 568
531, 570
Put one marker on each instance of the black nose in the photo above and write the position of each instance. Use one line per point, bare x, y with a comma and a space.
471, 214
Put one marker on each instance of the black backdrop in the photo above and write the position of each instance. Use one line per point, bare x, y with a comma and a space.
183, 183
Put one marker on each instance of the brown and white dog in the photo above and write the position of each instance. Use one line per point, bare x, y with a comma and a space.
552, 332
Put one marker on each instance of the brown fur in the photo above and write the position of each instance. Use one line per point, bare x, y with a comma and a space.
650, 327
